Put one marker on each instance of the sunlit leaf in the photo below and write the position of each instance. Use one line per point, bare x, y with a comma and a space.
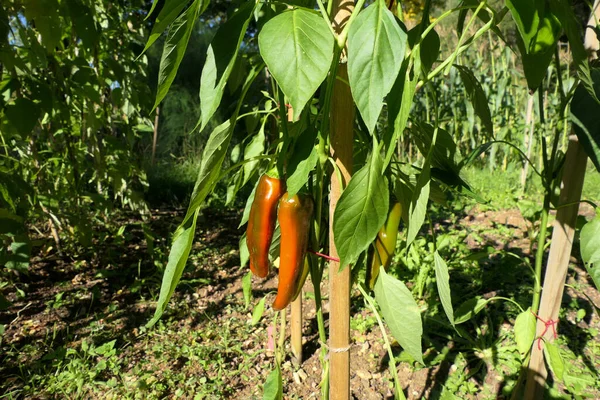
443, 284
297, 46
361, 211
376, 47
220, 59
401, 313
525, 331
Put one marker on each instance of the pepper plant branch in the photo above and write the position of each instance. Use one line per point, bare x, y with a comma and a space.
539, 257
341, 40
325, 16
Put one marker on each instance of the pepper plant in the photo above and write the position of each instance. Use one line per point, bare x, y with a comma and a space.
304, 54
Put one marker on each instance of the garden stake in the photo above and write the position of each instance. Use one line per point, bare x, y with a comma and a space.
562, 242
558, 263
296, 306
341, 133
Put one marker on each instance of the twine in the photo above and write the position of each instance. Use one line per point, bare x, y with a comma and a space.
547, 324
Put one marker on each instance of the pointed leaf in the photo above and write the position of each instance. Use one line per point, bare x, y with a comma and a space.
400, 102
180, 251
554, 360
220, 59
254, 149
469, 309
274, 385
443, 284
247, 288
376, 47
361, 211
525, 331
417, 210
258, 311
168, 13
302, 161
401, 313
584, 113
297, 46
176, 42
478, 98
590, 249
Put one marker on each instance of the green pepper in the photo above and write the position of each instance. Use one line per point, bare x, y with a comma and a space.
384, 246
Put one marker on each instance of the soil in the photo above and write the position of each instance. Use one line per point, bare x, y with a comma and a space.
105, 302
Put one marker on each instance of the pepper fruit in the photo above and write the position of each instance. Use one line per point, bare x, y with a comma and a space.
261, 223
385, 244
295, 214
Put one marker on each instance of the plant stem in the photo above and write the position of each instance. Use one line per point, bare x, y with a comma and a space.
539, 257
399, 394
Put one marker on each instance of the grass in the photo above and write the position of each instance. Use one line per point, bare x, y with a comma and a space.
504, 191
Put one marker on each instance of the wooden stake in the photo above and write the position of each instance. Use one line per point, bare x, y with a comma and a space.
560, 250
342, 123
296, 306
558, 263
341, 135
296, 329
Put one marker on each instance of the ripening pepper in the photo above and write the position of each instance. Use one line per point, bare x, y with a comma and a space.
261, 223
385, 244
295, 214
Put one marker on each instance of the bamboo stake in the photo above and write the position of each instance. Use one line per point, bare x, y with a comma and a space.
341, 133
562, 242
296, 306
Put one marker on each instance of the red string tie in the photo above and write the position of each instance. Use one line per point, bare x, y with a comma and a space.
325, 256
547, 324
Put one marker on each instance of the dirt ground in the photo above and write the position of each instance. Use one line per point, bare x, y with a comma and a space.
107, 292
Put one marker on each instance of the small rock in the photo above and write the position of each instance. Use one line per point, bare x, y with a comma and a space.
363, 374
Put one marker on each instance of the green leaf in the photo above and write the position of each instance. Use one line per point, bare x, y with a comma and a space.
244, 253
20, 252
361, 211
210, 167
417, 209
525, 331
168, 13
83, 22
258, 311
297, 46
554, 360
249, 202
220, 59
302, 161
401, 313
22, 115
254, 149
376, 47
478, 97
273, 389
180, 251
443, 284
584, 115
399, 104
570, 23
526, 14
247, 287
47, 21
590, 241
469, 309
590, 249
176, 42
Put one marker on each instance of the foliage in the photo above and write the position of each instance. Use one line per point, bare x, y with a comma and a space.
70, 116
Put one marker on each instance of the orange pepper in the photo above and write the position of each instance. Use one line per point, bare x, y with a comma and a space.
261, 223
295, 215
